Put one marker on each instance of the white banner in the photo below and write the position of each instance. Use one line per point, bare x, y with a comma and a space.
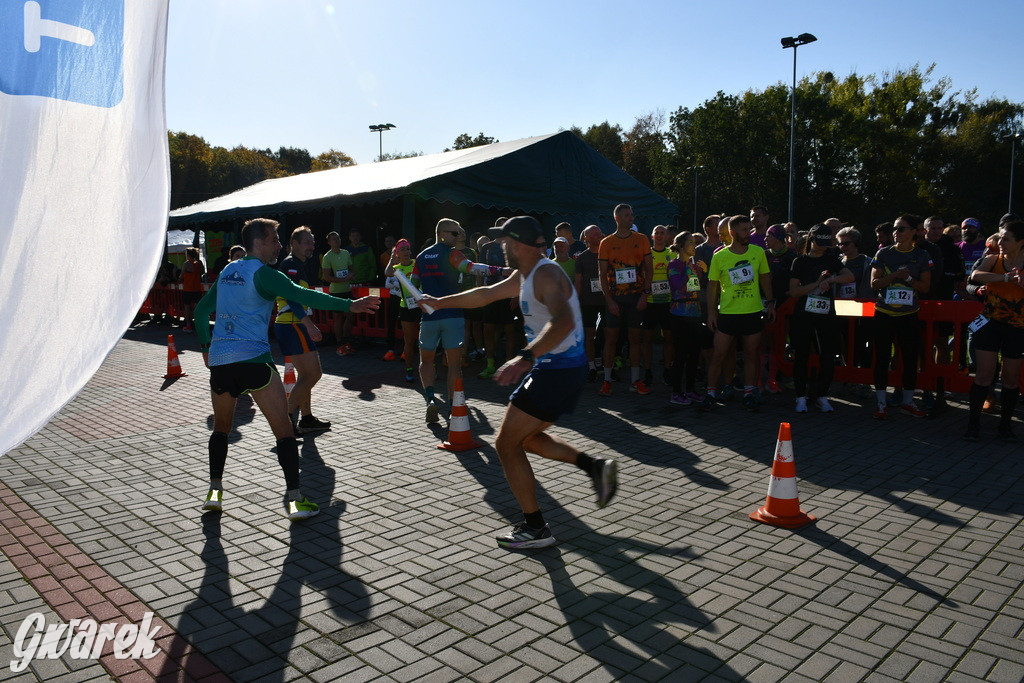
85, 192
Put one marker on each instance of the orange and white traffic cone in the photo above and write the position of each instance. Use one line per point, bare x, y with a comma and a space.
173, 365
289, 376
782, 507
459, 438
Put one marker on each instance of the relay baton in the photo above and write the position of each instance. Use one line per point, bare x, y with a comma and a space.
416, 294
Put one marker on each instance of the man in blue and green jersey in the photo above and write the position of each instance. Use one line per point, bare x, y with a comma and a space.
239, 353
438, 268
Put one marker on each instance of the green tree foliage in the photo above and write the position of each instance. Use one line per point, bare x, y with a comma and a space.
200, 172
465, 141
294, 160
605, 138
867, 148
332, 158
388, 156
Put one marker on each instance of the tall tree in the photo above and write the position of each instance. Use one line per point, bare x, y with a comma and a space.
465, 141
605, 138
332, 158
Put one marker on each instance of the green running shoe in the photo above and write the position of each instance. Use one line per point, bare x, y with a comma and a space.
302, 509
213, 500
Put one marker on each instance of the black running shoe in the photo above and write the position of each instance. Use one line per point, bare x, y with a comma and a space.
308, 423
706, 403
592, 375
606, 480
648, 377
522, 536
295, 423
750, 403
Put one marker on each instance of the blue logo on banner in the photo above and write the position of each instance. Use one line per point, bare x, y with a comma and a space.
65, 49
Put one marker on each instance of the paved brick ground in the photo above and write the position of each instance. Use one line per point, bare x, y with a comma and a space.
913, 571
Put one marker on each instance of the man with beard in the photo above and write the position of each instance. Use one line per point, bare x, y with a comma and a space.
239, 354
759, 225
973, 246
297, 336
588, 287
549, 371
738, 279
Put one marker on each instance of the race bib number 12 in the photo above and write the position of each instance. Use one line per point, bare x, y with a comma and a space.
899, 296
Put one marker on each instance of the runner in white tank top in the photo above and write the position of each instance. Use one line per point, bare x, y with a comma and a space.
549, 373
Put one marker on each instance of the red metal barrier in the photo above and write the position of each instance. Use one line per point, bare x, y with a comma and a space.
850, 311
367, 324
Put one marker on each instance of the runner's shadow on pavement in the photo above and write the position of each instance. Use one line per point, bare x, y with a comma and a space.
617, 616
245, 412
364, 385
256, 644
636, 444
836, 545
601, 620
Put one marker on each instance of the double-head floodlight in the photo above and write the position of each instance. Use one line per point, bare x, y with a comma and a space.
379, 128
801, 39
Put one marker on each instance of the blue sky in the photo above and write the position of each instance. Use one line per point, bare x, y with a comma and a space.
316, 73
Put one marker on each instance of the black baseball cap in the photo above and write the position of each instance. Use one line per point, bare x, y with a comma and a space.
525, 229
821, 234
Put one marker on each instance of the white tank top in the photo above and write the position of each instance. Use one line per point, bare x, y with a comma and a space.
569, 352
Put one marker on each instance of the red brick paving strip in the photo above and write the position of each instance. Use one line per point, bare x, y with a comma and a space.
77, 588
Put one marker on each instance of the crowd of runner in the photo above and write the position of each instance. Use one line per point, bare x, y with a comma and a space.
711, 297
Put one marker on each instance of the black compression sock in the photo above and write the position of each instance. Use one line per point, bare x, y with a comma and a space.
1007, 404
288, 458
534, 520
218, 450
585, 463
977, 400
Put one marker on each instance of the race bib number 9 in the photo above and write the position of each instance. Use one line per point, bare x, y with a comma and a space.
899, 296
660, 288
818, 304
741, 274
625, 276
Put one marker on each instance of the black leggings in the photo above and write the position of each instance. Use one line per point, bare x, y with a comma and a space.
905, 331
803, 328
687, 339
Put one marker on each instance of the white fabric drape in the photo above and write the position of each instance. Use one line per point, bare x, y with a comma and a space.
84, 192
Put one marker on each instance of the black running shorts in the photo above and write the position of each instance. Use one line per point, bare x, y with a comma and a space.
241, 378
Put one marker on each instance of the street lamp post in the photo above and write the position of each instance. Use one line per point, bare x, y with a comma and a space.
1013, 164
794, 43
696, 170
379, 128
